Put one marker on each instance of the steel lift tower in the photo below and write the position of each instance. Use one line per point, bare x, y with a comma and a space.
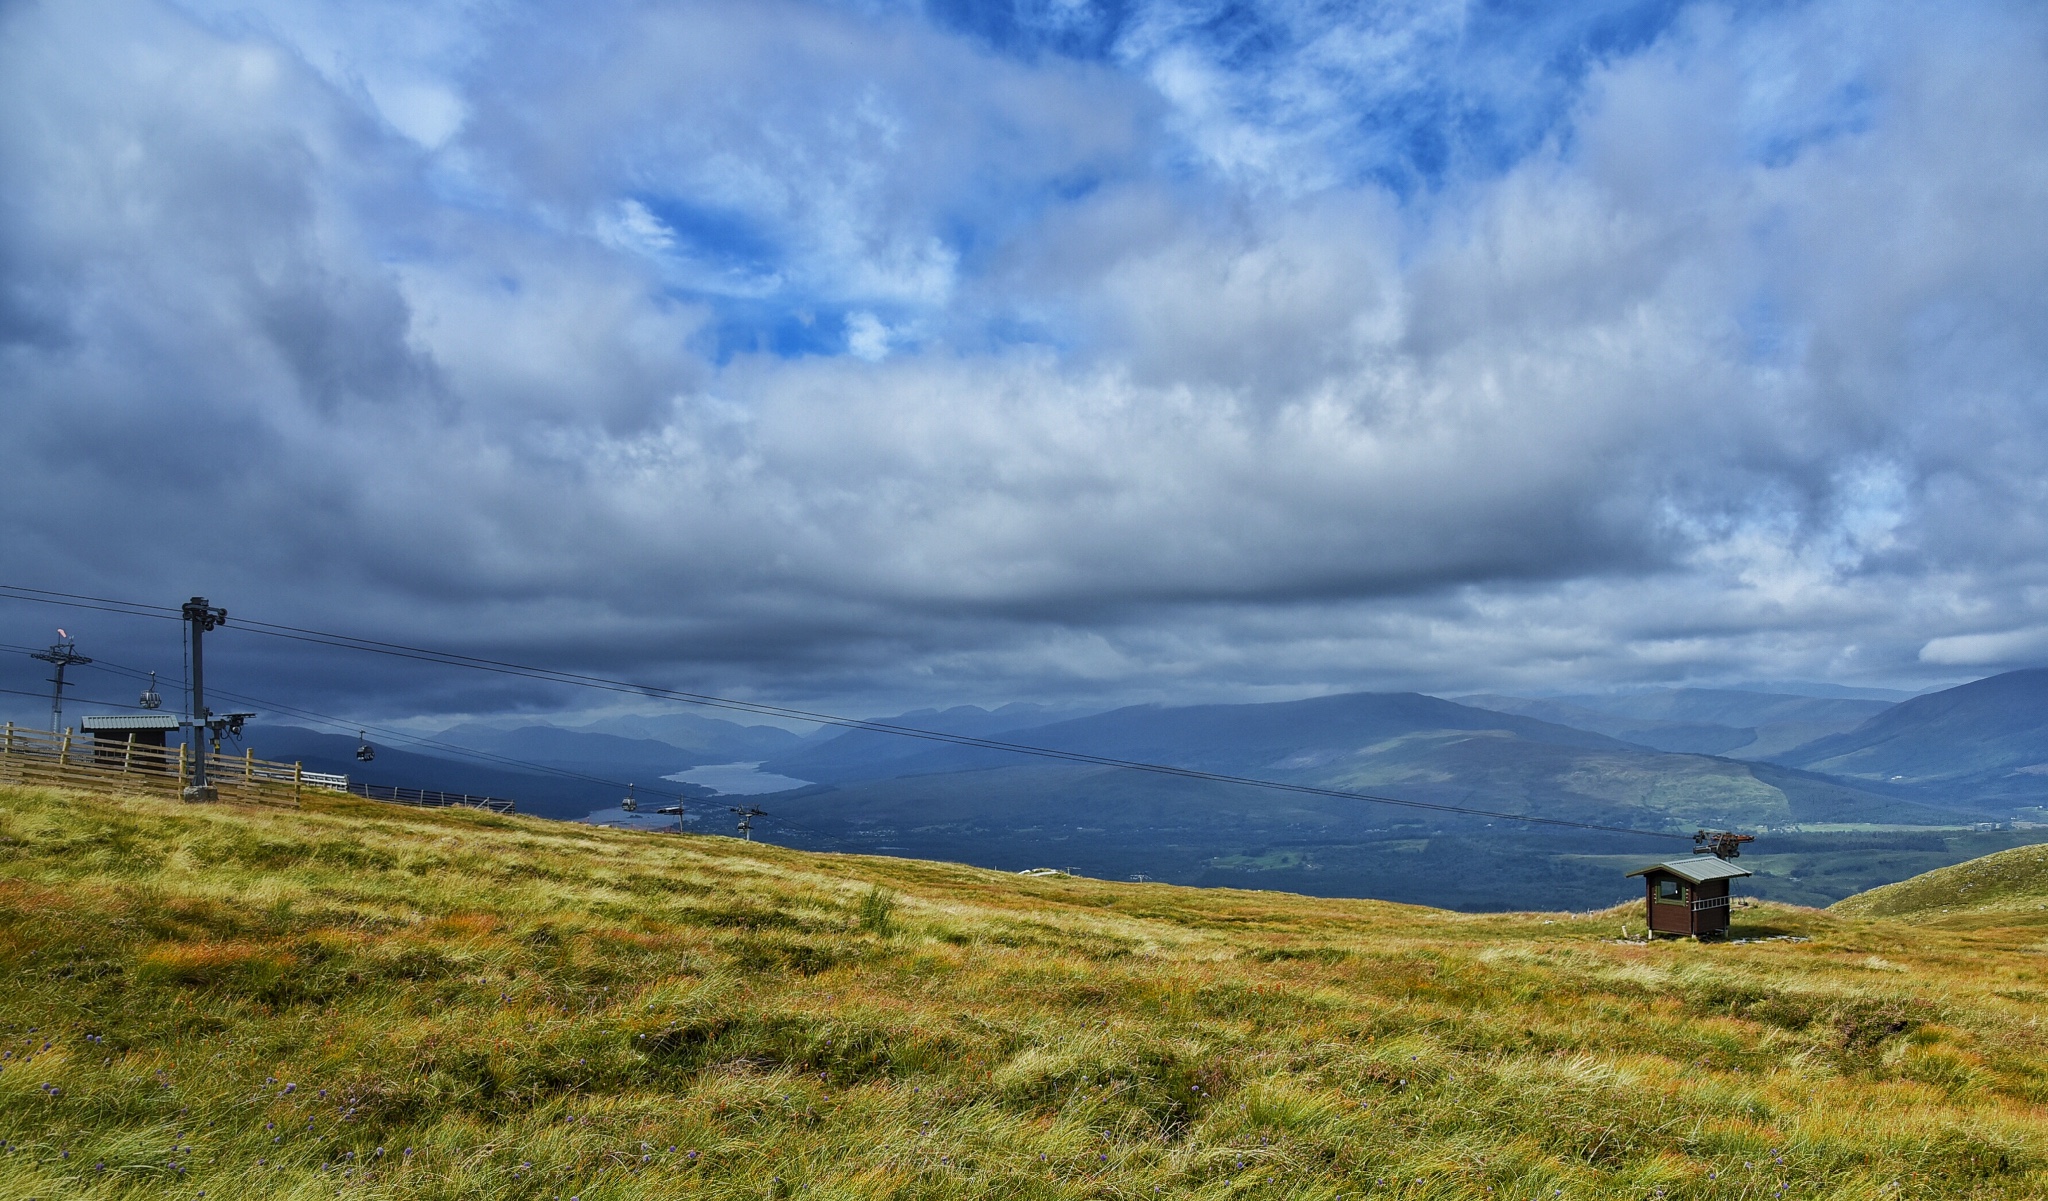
60, 655
202, 617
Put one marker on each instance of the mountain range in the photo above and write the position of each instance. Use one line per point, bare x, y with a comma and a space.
1986, 741
1660, 762
1706, 721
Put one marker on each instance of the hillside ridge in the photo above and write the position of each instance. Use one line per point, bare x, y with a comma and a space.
372, 1000
2015, 879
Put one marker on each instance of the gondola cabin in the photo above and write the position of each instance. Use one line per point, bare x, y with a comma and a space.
1689, 896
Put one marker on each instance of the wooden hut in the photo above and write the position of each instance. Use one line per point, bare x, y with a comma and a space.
1688, 896
114, 734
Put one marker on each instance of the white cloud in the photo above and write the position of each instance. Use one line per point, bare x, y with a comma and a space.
2006, 649
427, 111
630, 226
1142, 389
867, 338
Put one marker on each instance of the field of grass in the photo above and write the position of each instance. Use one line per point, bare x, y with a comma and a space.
362, 1001
1995, 888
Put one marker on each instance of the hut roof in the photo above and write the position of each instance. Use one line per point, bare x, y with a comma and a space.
128, 721
1696, 870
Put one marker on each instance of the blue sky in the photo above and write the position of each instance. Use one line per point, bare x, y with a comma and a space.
886, 354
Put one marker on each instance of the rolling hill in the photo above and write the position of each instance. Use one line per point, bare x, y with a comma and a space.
1986, 741
608, 755
906, 797
546, 794
1003, 810
707, 739
1707, 721
2012, 882
360, 1000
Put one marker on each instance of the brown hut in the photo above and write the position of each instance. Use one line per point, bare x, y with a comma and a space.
114, 734
1688, 896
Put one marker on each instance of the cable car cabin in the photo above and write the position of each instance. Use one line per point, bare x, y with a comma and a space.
114, 734
1688, 896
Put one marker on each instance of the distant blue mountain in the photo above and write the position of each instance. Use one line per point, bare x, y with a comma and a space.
867, 754
891, 794
547, 794
552, 746
1987, 740
1705, 721
1404, 744
709, 739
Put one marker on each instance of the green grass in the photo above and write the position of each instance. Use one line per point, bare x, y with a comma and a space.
2014, 880
363, 1001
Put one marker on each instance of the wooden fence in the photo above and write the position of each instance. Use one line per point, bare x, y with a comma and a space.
31, 756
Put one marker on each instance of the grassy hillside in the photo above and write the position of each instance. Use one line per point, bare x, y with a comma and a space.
1995, 885
1987, 739
354, 1000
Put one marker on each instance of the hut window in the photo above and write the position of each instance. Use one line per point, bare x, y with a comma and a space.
1670, 890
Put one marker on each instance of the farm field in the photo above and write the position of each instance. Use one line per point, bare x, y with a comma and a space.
360, 1000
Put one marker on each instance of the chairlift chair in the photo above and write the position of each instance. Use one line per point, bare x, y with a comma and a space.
1722, 844
365, 752
149, 698
630, 805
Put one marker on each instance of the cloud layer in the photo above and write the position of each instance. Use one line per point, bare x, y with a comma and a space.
882, 353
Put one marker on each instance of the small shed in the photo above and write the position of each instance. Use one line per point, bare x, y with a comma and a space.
1688, 896
114, 734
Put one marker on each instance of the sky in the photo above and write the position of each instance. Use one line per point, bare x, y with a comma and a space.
876, 354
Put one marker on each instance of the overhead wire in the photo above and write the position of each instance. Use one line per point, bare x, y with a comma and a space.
83, 700
102, 604
385, 733
425, 654
655, 692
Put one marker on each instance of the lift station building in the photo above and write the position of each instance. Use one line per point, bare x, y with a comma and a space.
1689, 896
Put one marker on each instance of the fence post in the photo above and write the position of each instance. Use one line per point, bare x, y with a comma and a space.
248, 765
64, 752
298, 772
181, 763
10, 738
127, 752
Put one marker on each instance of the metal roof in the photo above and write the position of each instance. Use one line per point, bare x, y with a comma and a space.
1697, 870
128, 721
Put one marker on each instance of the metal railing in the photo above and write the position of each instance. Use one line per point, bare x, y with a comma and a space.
1709, 903
429, 799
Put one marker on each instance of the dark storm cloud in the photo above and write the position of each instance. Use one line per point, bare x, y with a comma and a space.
865, 354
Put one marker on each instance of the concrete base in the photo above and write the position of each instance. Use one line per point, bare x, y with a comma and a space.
206, 793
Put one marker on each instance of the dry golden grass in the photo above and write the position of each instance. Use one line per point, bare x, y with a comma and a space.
359, 1000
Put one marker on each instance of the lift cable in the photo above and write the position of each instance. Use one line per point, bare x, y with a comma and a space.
383, 732
653, 692
73, 600
83, 700
602, 683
